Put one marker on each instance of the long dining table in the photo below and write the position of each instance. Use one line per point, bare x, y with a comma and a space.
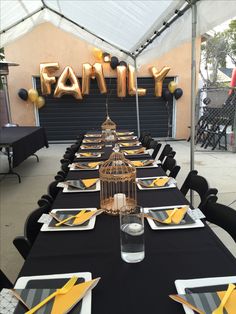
129, 288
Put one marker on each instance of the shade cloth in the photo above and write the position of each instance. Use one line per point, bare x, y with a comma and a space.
115, 26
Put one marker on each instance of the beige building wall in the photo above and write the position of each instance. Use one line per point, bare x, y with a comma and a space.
46, 43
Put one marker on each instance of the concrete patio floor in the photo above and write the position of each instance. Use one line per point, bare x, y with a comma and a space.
18, 200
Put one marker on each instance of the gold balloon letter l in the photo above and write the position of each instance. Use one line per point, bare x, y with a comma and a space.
132, 85
121, 80
45, 79
159, 78
62, 88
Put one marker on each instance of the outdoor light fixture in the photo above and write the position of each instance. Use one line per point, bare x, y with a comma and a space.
106, 57
4, 71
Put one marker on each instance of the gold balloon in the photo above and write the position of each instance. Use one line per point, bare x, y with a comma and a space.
40, 102
159, 78
97, 54
172, 86
121, 80
63, 89
46, 81
87, 71
98, 73
93, 71
32, 94
132, 85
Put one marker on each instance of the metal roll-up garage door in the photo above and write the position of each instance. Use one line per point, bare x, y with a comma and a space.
66, 117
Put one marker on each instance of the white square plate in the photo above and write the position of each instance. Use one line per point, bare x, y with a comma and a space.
198, 223
95, 147
87, 300
67, 190
89, 226
171, 184
181, 285
78, 155
73, 168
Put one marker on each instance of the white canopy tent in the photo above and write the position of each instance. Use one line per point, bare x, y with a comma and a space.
135, 31
127, 29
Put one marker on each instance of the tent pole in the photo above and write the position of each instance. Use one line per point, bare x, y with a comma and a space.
193, 89
136, 96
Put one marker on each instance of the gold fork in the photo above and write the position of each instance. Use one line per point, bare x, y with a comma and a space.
66, 288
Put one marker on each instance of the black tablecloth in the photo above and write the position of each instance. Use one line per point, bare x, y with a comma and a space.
130, 288
24, 141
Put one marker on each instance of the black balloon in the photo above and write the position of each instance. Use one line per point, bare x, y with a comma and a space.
114, 62
206, 101
23, 94
178, 93
166, 94
123, 63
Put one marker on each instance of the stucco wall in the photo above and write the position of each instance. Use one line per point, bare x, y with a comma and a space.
46, 43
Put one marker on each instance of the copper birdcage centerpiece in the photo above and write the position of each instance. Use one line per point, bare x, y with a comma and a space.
108, 130
118, 184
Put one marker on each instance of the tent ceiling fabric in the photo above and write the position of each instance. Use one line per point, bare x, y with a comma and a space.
118, 27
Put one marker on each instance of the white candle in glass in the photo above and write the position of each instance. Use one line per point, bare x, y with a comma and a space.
119, 201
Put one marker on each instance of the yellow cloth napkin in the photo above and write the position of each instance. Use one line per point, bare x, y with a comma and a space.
126, 144
93, 164
137, 163
84, 217
86, 154
135, 152
178, 215
230, 305
156, 182
64, 302
89, 182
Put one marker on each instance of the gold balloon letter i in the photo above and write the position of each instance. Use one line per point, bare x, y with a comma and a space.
63, 89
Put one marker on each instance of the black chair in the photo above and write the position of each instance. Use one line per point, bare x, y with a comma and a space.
220, 215
31, 230
165, 152
60, 176
45, 200
65, 167
146, 140
143, 134
53, 189
69, 156
170, 167
156, 150
4, 281
198, 184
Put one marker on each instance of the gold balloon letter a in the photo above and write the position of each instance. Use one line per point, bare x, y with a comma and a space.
132, 85
159, 78
93, 71
63, 89
45, 79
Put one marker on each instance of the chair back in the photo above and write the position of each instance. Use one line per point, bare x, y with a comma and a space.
4, 281
170, 167
165, 152
53, 189
156, 150
146, 140
198, 184
32, 227
221, 215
